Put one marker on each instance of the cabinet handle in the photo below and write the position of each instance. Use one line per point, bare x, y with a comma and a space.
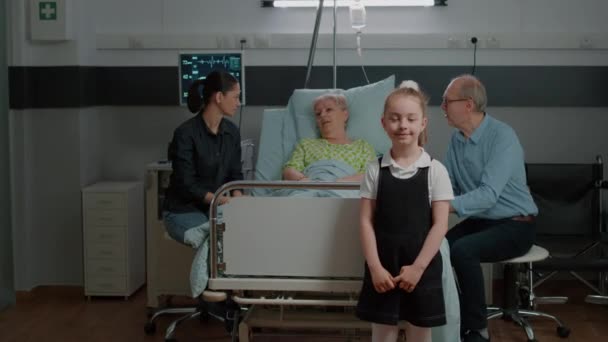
107, 220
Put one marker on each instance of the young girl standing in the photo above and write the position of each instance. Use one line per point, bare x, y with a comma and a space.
404, 217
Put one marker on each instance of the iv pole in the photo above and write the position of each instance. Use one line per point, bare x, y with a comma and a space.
334, 36
313, 44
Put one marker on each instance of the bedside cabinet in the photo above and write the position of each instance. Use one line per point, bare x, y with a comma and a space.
114, 238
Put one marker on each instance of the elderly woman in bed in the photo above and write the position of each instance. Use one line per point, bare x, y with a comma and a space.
331, 114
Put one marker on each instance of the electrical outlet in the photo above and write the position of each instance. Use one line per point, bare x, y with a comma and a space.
225, 42
244, 42
454, 43
261, 41
586, 43
471, 41
135, 43
492, 43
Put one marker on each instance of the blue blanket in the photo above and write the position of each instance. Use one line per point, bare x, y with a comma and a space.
198, 238
323, 171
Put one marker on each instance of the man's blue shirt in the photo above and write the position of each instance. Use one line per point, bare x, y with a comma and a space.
488, 173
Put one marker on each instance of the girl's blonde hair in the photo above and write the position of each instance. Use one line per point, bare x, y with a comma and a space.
411, 88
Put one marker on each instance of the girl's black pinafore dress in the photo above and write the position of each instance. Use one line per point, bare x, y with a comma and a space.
402, 221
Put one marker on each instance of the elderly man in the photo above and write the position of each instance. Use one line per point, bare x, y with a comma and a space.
485, 162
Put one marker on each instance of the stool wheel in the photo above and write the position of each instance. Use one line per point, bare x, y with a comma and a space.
204, 316
150, 328
563, 332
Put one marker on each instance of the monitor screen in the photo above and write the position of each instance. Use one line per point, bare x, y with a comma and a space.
193, 66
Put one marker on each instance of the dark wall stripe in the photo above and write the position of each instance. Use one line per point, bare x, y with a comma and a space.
52, 87
137, 86
518, 86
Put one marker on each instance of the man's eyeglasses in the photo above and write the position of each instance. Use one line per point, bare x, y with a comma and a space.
448, 101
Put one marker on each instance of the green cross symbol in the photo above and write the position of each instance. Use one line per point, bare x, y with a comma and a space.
47, 10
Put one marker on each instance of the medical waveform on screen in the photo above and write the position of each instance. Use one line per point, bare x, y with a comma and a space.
213, 62
197, 65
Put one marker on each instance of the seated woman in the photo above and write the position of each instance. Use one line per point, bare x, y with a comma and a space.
206, 153
331, 114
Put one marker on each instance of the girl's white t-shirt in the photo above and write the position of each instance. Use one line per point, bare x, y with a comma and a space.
440, 187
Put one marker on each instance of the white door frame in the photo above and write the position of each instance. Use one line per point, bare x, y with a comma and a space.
7, 276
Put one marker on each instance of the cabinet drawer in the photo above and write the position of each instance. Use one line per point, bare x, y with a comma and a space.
103, 268
105, 201
109, 235
106, 217
106, 284
106, 251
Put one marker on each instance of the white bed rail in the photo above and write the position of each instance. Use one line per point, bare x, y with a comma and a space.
313, 259
267, 185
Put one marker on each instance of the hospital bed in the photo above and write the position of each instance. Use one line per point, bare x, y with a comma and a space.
288, 253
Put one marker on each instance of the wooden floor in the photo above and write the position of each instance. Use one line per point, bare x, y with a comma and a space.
63, 314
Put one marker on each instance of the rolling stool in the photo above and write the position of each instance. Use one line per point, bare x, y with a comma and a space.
191, 313
535, 254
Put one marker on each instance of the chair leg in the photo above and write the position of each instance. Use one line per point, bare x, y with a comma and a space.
150, 326
515, 316
171, 311
562, 330
494, 312
529, 313
235, 326
525, 325
171, 328
597, 299
520, 316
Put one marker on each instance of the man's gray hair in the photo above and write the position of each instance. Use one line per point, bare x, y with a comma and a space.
471, 87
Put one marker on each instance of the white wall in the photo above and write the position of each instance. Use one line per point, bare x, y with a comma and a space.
518, 24
46, 169
90, 144
548, 135
55, 152
125, 154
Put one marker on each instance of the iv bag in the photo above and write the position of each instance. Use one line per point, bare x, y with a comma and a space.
357, 15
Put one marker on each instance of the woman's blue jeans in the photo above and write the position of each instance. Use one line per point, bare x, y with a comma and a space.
178, 223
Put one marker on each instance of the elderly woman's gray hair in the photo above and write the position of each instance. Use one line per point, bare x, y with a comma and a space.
337, 98
473, 89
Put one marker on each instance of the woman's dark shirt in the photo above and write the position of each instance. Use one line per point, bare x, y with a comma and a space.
202, 162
